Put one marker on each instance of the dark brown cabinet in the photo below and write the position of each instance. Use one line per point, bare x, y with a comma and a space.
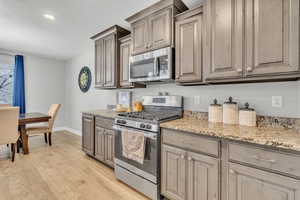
189, 46
98, 138
125, 53
88, 134
107, 57
153, 27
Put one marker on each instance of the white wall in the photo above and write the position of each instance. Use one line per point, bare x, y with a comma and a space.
259, 95
44, 85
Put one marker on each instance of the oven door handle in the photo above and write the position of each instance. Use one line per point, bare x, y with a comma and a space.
150, 135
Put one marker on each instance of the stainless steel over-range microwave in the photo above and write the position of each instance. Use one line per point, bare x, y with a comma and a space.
152, 66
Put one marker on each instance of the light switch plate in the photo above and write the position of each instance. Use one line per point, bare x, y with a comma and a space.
277, 101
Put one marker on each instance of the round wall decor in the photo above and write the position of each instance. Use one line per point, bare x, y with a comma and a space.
85, 79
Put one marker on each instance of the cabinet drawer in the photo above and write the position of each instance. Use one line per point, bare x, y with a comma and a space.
281, 162
191, 142
104, 123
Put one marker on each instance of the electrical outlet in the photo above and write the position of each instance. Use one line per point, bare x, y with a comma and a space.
277, 101
197, 100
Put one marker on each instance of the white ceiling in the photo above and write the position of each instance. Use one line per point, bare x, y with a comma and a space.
24, 29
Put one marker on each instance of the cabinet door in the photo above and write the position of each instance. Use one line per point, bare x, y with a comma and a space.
140, 36
248, 183
160, 29
99, 63
272, 36
125, 52
173, 173
203, 177
109, 147
223, 37
99, 143
109, 61
188, 50
88, 134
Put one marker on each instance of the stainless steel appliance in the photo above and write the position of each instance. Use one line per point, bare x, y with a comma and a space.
145, 177
152, 66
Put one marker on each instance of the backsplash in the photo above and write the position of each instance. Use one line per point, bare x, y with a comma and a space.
262, 121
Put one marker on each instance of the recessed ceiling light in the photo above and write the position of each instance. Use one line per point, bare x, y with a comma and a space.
50, 17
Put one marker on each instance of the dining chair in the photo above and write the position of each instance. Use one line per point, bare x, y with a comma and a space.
47, 128
9, 119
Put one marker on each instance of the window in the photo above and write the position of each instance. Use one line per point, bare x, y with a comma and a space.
6, 80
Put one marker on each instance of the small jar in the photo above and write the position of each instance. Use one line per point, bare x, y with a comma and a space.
230, 112
247, 116
215, 112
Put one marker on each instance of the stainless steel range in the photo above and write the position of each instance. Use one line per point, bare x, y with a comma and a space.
145, 177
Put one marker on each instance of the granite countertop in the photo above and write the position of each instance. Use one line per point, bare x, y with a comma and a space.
288, 139
103, 113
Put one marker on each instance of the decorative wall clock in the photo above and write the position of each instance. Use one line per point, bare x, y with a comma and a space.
85, 79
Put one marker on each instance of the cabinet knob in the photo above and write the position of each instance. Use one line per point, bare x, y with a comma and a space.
182, 157
190, 159
249, 69
231, 171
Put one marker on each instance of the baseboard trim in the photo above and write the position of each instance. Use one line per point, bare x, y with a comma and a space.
71, 130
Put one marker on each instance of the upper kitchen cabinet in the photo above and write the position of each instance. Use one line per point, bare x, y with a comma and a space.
251, 40
271, 37
153, 27
107, 57
125, 53
223, 39
188, 44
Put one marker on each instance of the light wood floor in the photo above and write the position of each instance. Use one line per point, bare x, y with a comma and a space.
60, 172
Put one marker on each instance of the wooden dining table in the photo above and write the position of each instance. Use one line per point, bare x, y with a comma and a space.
29, 118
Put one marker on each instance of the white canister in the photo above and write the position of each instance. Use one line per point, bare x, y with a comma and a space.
247, 116
215, 112
230, 112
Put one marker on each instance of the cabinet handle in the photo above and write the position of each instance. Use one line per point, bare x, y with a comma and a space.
231, 171
190, 159
249, 69
240, 70
182, 157
263, 160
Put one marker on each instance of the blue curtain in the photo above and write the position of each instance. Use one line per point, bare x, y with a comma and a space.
19, 84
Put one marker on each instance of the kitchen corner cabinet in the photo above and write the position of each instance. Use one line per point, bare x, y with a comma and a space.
250, 40
98, 138
188, 29
153, 27
107, 57
125, 53
88, 134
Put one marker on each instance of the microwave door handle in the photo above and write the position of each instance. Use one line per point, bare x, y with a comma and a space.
156, 66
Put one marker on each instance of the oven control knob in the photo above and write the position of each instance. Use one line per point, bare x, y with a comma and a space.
148, 126
142, 126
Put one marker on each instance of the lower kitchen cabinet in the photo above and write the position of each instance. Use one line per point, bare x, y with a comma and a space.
88, 134
247, 183
173, 173
98, 138
99, 143
188, 175
109, 147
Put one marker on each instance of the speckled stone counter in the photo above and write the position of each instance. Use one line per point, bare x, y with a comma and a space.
288, 139
102, 113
